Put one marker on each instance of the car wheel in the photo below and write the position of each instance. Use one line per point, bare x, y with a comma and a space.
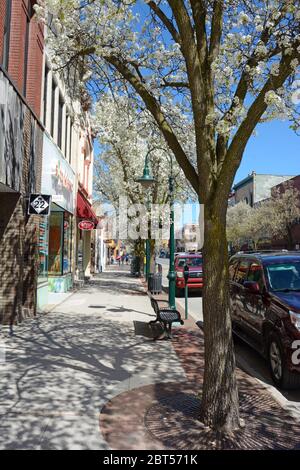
281, 375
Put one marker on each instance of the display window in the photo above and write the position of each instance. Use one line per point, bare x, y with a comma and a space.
43, 248
60, 243
67, 250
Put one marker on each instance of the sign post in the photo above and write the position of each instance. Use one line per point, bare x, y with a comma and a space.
39, 204
186, 274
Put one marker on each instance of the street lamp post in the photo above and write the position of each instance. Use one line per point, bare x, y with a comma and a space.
172, 274
146, 181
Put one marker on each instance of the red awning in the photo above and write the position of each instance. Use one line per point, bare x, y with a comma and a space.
84, 210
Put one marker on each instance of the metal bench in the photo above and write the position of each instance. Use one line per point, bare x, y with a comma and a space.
166, 316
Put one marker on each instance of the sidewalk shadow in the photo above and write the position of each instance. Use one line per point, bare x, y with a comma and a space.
148, 331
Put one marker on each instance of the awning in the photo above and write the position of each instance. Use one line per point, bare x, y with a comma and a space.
84, 210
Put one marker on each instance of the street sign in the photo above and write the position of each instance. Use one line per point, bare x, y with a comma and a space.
86, 225
39, 204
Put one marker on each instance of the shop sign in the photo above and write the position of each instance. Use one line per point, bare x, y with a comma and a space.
58, 177
86, 225
39, 204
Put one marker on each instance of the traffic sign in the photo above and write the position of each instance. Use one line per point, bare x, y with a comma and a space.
39, 204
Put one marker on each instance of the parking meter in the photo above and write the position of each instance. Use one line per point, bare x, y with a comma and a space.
186, 273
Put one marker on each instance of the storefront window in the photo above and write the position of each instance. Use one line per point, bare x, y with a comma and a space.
67, 257
43, 249
56, 242
60, 243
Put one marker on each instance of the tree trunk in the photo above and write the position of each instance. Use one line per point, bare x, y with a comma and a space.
219, 404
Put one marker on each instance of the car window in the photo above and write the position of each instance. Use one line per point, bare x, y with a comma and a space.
255, 274
241, 273
284, 276
232, 269
189, 261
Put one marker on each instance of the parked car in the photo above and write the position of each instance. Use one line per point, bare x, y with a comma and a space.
265, 309
195, 280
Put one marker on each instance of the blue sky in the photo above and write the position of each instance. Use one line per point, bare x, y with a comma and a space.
275, 150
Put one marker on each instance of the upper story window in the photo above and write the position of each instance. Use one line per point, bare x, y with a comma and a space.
66, 134
53, 93
29, 15
46, 76
6, 36
60, 121
71, 137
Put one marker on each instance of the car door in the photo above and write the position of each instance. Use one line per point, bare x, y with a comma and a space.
239, 291
255, 306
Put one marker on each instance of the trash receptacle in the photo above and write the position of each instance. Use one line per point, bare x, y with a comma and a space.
155, 283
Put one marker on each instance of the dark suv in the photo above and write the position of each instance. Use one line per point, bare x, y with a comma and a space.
265, 309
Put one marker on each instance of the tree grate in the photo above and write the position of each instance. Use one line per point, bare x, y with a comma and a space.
173, 420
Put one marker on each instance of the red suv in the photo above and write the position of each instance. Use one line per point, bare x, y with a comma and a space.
265, 310
194, 262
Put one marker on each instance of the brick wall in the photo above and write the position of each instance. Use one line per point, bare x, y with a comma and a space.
2, 19
11, 253
17, 39
18, 231
20, 13
35, 66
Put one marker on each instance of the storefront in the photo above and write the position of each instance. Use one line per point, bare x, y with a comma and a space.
84, 213
56, 234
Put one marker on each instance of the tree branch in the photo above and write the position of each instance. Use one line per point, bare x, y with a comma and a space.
166, 21
155, 109
216, 29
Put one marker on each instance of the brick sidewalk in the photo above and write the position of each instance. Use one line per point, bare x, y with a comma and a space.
164, 416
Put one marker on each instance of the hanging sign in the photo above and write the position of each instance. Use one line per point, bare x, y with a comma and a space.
86, 225
39, 204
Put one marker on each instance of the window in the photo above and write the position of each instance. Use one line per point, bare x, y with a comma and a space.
284, 277
53, 107
241, 273
43, 249
70, 145
232, 269
55, 243
60, 121
256, 274
28, 19
6, 37
60, 243
67, 251
66, 136
46, 75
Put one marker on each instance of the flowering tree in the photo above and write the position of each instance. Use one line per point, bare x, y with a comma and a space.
127, 136
250, 224
237, 217
218, 66
284, 212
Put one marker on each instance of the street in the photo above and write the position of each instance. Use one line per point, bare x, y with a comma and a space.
247, 358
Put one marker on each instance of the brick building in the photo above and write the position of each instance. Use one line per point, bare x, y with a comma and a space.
21, 143
294, 242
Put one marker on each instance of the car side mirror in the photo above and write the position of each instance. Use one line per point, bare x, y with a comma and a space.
252, 286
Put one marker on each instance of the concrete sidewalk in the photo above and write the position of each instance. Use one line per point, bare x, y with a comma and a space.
88, 375
61, 368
